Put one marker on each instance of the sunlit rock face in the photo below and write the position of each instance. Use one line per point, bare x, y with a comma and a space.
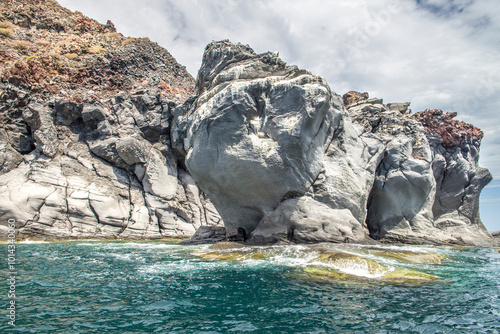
102, 137
84, 133
459, 178
257, 132
284, 158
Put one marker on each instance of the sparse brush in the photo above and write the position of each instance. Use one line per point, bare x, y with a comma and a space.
43, 43
6, 25
113, 35
72, 56
5, 32
54, 55
128, 41
21, 45
95, 49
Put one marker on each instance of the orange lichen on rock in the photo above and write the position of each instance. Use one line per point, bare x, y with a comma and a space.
451, 131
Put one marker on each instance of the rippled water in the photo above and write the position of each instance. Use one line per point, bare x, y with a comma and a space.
156, 287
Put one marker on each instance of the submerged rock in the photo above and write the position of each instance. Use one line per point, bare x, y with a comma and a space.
351, 267
380, 274
408, 256
325, 261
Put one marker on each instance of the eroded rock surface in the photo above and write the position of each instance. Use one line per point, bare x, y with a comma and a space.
85, 150
282, 157
257, 132
459, 179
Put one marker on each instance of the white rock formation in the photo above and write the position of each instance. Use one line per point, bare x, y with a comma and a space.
95, 173
282, 158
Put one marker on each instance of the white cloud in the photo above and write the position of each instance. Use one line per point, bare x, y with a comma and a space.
435, 53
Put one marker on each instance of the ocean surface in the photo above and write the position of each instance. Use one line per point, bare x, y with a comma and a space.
160, 287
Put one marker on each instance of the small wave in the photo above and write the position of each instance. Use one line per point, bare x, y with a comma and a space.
184, 267
28, 241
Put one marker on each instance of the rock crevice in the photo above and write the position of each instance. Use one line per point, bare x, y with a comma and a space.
100, 137
286, 159
86, 153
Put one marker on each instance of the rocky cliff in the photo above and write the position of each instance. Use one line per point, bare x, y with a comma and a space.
104, 136
85, 123
283, 158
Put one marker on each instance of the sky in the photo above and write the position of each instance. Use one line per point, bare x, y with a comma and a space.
436, 54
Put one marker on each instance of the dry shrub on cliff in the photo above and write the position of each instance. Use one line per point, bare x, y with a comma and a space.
128, 41
5, 32
43, 44
21, 45
95, 49
54, 55
113, 35
139, 40
72, 56
6, 25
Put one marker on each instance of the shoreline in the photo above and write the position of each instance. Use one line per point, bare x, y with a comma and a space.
30, 240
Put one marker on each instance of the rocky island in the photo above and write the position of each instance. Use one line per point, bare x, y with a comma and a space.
105, 136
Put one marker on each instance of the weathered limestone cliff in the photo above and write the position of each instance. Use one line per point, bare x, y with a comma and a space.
84, 137
283, 158
103, 136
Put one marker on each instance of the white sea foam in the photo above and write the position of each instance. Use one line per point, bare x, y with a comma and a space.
28, 241
187, 267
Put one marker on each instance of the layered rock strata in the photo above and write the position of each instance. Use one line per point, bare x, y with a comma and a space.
84, 138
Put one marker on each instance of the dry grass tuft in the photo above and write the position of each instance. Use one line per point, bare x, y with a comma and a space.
72, 56
113, 35
6, 25
128, 41
21, 45
5, 32
96, 49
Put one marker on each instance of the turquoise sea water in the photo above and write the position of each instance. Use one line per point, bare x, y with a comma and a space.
157, 287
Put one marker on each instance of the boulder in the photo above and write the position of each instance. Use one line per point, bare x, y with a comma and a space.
256, 134
207, 235
305, 220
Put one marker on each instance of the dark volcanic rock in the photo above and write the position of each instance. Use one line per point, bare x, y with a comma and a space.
84, 143
207, 235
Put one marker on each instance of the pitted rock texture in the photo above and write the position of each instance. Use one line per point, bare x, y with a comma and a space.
352, 97
282, 157
85, 152
450, 131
